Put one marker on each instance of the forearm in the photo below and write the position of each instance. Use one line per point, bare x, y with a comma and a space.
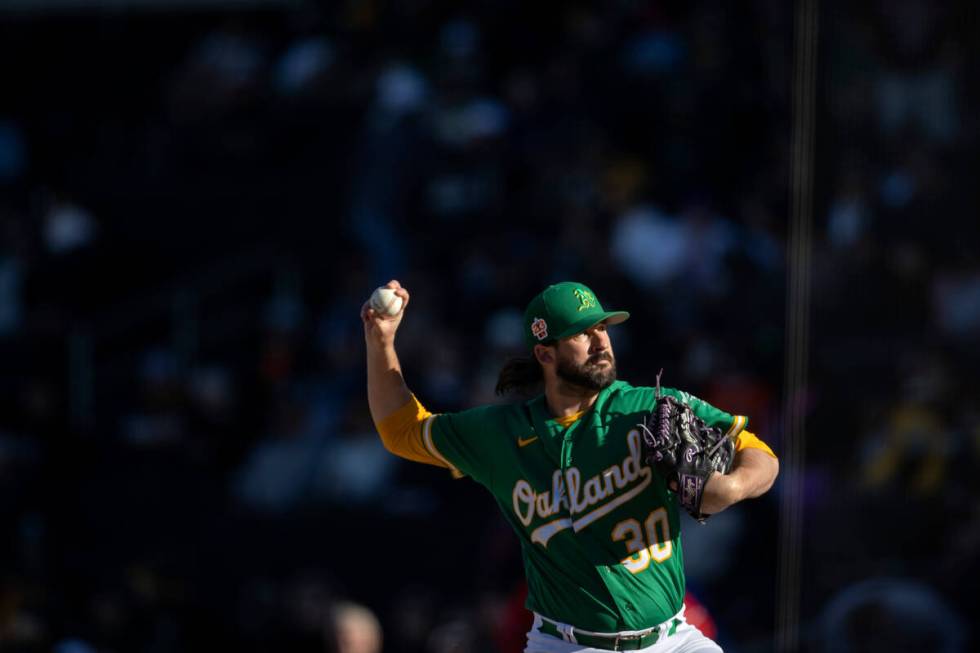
753, 473
387, 390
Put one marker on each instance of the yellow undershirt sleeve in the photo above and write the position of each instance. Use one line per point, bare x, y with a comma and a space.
401, 433
747, 440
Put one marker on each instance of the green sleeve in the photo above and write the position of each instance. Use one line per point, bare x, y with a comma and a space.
715, 417
464, 440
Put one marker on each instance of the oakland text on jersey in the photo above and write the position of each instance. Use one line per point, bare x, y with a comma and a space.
583, 503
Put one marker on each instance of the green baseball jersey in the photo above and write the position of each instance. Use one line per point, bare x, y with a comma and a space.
599, 529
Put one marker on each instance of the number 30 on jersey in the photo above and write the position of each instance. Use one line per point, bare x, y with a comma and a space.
656, 545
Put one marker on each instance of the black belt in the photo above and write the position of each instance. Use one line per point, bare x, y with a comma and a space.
612, 641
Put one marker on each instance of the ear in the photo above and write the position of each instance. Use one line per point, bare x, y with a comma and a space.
545, 354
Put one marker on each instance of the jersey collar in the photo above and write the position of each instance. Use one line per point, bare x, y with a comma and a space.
545, 425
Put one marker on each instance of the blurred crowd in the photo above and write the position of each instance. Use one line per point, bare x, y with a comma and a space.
194, 205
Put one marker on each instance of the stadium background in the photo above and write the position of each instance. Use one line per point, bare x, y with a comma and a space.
196, 198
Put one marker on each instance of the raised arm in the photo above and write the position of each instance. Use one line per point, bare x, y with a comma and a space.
387, 391
397, 415
753, 473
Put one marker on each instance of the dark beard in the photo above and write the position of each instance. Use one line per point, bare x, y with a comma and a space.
588, 376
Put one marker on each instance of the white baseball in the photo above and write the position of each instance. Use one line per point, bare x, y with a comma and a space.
385, 302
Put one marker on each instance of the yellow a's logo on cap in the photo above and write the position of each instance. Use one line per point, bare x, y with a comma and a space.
585, 298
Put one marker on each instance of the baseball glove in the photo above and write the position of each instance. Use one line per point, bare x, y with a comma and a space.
685, 450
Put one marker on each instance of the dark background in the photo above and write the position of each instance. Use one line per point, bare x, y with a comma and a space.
196, 198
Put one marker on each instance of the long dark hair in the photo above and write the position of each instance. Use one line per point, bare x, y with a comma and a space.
522, 375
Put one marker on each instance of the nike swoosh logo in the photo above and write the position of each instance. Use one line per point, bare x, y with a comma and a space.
521, 442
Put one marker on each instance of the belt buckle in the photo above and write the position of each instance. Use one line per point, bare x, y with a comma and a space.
624, 638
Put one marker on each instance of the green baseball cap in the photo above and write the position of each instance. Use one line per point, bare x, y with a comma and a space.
562, 310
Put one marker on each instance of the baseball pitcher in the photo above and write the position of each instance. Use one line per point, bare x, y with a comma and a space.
591, 473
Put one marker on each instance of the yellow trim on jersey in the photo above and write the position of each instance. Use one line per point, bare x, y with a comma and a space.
748, 440
430, 445
739, 422
568, 420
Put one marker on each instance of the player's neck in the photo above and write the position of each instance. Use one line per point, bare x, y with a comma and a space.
566, 399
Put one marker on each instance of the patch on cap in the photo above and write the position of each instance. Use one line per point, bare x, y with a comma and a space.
539, 328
